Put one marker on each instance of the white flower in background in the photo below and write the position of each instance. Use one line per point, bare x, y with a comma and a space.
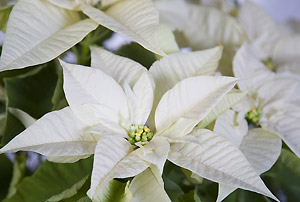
39, 31
261, 147
268, 103
107, 117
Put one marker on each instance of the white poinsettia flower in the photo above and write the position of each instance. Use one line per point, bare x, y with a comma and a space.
51, 27
107, 117
261, 147
268, 104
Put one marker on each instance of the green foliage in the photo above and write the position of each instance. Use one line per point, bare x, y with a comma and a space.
51, 179
137, 53
4, 15
6, 168
32, 92
18, 173
59, 100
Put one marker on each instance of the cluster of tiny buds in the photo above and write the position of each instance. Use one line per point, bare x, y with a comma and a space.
139, 133
253, 116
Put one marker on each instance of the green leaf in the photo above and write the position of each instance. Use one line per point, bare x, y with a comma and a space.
68, 193
18, 173
4, 15
6, 168
137, 53
32, 92
190, 196
284, 177
81, 193
85, 199
59, 100
51, 179
11, 128
117, 192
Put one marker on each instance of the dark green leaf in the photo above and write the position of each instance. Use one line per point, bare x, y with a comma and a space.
18, 173
51, 179
32, 92
59, 100
6, 168
137, 53
4, 15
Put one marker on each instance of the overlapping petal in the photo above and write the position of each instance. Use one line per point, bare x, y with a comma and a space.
196, 96
217, 159
56, 135
87, 93
38, 31
137, 20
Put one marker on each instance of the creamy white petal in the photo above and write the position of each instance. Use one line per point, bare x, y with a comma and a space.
224, 191
38, 31
217, 159
248, 67
166, 40
109, 151
261, 148
135, 19
286, 125
87, 89
286, 50
192, 98
232, 127
259, 27
132, 77
156, 152
208, 27
148, 187
113, 159
58, 133
280, 88
170, 70
229, 100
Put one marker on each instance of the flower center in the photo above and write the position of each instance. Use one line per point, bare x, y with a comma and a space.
269, 64
253, 116
139, 133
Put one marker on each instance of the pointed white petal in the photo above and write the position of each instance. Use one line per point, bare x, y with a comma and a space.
173, 13
148, 187
229, 100
90, 90
248, 67
196, 96
156, 152
113, 159
261, 148
286, 50
217, 159
132, 77
68, 4
280, 88
172, 69
259, 27
224, 191
215, 27
232, 127
38, 31
58, 134
25, 118
166, 40
286, 125
136, 19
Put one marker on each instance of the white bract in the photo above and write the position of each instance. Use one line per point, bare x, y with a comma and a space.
109, 105
269, 102
39, 31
